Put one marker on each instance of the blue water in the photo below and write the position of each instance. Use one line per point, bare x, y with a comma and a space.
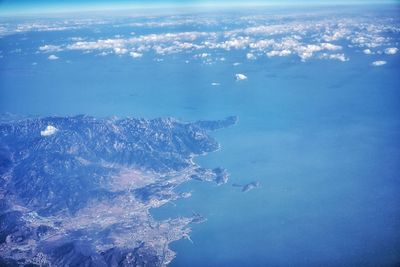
322, 137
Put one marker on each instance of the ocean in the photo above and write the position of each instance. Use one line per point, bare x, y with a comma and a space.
321, 137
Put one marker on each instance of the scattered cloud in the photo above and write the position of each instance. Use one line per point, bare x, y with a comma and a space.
135, 54
367, 51
311, 36
378, 63
203, 55
281, 53
391, 50
120, 50
240, 77
330, 47
53, 57
50, 48
50, 130
43, 25
340, 57
250, 56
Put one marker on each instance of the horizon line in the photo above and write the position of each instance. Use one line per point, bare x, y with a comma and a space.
80, 8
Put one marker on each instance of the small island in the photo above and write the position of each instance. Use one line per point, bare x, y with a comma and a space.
247, 187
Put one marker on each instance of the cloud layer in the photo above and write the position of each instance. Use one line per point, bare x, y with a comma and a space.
303, 36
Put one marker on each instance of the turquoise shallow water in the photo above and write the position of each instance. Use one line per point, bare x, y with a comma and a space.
322, 137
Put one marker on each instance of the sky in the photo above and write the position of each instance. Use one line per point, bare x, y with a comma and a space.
29, 6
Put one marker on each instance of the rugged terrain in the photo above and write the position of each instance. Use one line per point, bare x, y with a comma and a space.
77, 191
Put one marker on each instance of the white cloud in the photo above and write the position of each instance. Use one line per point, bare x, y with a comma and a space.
104, 53
135, 54
120, 50
262, 44
305, 55
52, 57
215, 84
367, 51
339, 33
391, 50
305, 36
76, 39
282, 53
50, 48
378, 63
331, 47
162, 43
42, 25
240, 77
367, 39
250, 56
50, 130
235, 43
340, 57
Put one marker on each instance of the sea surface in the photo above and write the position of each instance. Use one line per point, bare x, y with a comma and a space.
322, 137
